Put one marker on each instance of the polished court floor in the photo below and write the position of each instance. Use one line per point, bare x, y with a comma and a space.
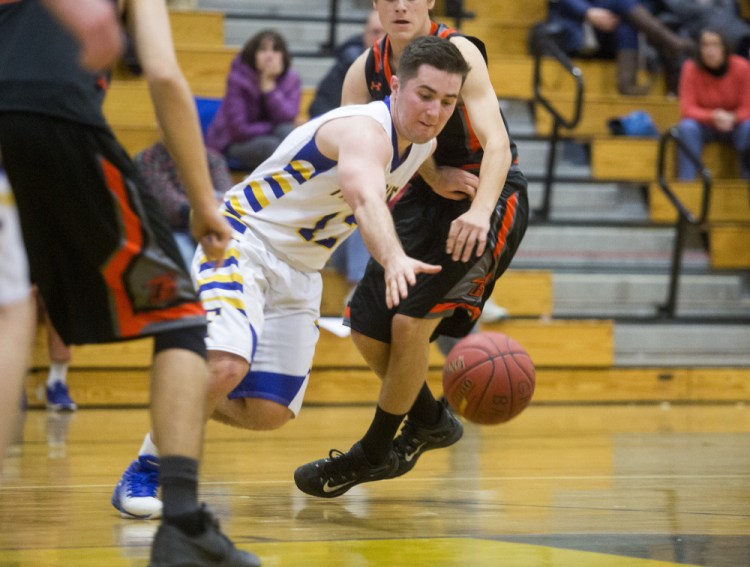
598, 485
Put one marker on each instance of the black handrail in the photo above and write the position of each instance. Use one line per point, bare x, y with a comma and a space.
545, 45
684, 216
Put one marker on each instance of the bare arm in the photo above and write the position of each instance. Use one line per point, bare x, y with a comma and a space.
362, 150
94, 24
176, 113
470, 229
355, 90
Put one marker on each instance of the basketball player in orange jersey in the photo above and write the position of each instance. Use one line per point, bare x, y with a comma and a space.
467, 211
99, 250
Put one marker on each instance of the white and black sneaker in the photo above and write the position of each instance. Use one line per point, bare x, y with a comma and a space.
416, 437
333, 476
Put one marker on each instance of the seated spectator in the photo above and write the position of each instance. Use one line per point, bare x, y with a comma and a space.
714, 103
159, 172
690, 17
609, 28
260, 105
328, 93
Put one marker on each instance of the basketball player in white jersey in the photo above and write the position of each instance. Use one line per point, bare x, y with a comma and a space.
329, 176
16, 313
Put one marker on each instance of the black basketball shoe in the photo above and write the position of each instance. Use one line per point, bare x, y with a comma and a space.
172, 548
333, 476
416, 437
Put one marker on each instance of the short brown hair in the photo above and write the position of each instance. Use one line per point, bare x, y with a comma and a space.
433, 51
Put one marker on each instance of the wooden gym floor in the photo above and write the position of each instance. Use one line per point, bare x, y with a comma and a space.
562, 485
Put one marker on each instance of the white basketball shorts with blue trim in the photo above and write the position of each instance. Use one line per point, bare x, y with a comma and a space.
266, 311
14, 270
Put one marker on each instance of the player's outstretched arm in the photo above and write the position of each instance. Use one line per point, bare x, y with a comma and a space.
362, 150
175, 110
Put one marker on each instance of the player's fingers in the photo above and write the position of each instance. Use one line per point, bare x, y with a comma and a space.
403, 288
458, 249
424, 268
213, 249
481, 245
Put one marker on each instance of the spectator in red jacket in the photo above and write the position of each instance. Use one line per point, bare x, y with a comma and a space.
260, 105
714, 102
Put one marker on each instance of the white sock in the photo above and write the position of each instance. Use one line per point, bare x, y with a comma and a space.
148, 447
58, 372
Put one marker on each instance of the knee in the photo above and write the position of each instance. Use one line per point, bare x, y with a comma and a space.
265, 415
405, 329
226, 372
689, 129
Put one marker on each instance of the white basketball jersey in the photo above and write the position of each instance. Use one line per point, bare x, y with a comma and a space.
293, 202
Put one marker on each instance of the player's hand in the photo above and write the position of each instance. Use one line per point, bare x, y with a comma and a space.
400, 274
468, 232
454, 183
212, 231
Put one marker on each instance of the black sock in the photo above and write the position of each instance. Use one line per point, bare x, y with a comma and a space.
378, 440
426, 408
178, 477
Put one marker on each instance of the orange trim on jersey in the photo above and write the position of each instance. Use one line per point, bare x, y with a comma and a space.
131, 323
474, 144
507, 224
445, 33
443, 307
377, 55
387, 61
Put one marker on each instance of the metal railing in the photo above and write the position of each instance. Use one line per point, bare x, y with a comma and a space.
546, 46
685, 218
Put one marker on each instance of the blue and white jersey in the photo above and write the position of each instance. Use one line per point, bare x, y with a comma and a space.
293, 202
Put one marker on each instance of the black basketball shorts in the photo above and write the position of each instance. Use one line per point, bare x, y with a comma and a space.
458, 292
99, 248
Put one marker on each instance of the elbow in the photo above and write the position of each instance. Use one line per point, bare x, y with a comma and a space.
165, 77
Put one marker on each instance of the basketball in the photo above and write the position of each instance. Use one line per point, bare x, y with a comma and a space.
488, 378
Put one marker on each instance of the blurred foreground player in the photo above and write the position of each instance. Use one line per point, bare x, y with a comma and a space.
102, 257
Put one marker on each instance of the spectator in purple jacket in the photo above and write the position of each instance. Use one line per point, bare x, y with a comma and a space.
261, 102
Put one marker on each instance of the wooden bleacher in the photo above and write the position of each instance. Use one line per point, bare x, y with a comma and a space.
729, 246
607, 161
728, 217
729, 201
600, 108
574, 358
530, 11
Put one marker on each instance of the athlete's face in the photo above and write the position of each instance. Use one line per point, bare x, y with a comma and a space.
423, 105
404, 19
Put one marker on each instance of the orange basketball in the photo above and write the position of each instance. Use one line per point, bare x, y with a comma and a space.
488, 378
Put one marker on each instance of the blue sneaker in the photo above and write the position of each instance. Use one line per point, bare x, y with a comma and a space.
58, 398
135, 496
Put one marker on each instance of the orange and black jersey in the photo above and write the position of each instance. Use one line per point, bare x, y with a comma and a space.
458, 145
